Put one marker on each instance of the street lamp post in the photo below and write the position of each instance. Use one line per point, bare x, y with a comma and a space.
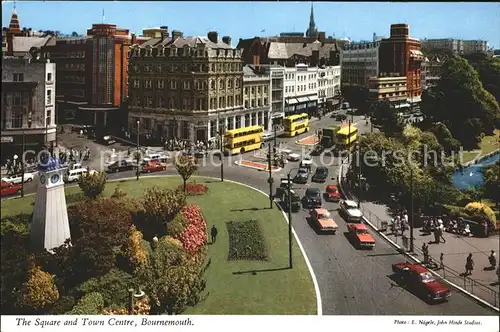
275, 136
132, 296
221, 133
270, 179
137, 152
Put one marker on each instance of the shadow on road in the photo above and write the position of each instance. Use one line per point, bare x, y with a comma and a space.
249, 209
254, 272
389, 254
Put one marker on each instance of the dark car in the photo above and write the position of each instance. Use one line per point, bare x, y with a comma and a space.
293, 202
120, 166
106, 140
312, 198
320, 175
341, 117
302, 176
318, 149
282, 189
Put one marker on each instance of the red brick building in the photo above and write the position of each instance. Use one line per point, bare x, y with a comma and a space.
400, 55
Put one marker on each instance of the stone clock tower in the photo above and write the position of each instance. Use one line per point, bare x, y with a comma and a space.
50, 226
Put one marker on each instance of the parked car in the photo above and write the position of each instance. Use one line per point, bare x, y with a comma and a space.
293, 157
332, 193
312, 198
153, 166
320, 175
17, 178
360, 235
121, 165
421, 281
9, 189
323, 220
302, 176
293, 202
351, 211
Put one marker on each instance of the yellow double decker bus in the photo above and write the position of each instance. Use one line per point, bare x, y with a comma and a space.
345, 138
296, 124
242, 140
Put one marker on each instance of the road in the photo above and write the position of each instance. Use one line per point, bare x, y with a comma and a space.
352, 282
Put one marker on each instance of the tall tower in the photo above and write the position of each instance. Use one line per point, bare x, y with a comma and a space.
50, 225
312, 31
14, 30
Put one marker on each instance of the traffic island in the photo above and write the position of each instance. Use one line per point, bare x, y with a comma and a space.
257, 165
242, 286
308, 141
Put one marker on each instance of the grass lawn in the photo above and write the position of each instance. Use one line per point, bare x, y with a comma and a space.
277, 291
488, 144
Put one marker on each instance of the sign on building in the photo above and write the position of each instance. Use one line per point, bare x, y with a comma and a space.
7, 139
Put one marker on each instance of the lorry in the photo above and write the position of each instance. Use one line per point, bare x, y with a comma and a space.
328, 136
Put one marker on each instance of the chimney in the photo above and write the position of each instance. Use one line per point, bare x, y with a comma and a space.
227, 40
213, 36
176, 34
164, 32
322, 36
134, 39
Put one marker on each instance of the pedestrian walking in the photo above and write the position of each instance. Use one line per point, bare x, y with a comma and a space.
425, 251
493, 260
441, 261
441, 231
469, 265
213, 233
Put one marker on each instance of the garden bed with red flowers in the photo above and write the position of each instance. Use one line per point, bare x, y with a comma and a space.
194, 236
194, 189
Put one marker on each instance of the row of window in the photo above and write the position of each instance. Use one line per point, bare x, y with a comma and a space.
185, 103
72, 79
393, 94
19, 77
256, 103
186, 85
259, 89
235, 123
180, 52
197, 68
79, 66
326, 82
18, 118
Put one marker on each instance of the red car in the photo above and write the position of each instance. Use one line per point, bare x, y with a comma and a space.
361, 236
154, 166
9, 189
332, 193
421, 281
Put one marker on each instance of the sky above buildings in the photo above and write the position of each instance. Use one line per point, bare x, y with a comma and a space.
356, 20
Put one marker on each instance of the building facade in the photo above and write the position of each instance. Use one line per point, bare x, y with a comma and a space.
186, 88
256, 98
277, 74
28, 105
389, 88
475, 46
301, 89
359, 62
456, 46
329, 87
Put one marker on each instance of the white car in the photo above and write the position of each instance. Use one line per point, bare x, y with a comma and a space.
306, 162
351, 211
293, 157
17, 179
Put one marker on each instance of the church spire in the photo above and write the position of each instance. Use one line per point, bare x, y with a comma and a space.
312, 31
14, 27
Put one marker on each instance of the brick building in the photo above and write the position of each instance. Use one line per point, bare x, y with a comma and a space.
28, 104
185, 87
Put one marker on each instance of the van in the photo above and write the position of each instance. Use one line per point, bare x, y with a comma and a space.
155, 157
74, 174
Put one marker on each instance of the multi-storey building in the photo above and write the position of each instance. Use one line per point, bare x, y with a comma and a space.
188, 88
456, 46
475, 46
359, 62
328, 87
93, 74
431, 68
301, 89
277, 74
256, 98
28, 105
389, 88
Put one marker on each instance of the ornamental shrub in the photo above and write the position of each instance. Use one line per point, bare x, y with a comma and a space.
194, 189
39, 291
92, 183
194, 235
90, 304
483, 211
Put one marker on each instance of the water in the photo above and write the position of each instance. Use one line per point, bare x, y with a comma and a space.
472, 175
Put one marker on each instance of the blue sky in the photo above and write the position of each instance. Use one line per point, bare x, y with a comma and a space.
356, 20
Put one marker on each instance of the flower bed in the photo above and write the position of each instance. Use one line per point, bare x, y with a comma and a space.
194, 236
194, 189
246, 241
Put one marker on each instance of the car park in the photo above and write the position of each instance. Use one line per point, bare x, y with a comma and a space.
323, 221
320, 175
350, 211
421, 281
302, 176
312, 198
332, 193
153, 166
18, 178
9, 189
360, 236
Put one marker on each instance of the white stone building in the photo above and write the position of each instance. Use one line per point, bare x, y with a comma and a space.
301, 89
256, 97
328, 84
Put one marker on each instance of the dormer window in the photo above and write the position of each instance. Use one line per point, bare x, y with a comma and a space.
161, 51
149, 51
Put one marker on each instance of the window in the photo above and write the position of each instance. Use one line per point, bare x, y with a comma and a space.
221, 84
17, 120
149, 101
137, 84
229, 84
160, 84
265, 102
49, 77
246, 91
259, 89
253, 90
160, 103
148, 84
187, 85
246, 103
17, 99
49, 97
265, 89
49, 118
173, 84
238, 82
18, 77
212, 85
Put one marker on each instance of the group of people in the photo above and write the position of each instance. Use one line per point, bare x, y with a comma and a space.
74, 155
184, 145
400, 223
492, 260
435, 226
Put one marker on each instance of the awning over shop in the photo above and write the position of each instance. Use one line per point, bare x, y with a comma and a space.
302, 99
291, 101
312, 98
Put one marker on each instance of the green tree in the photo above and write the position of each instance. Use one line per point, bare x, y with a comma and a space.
185, 166
135, 251
174, 280
356, 95
385, 115
75, 34
92, 183
491, 183
489, 71
90, 304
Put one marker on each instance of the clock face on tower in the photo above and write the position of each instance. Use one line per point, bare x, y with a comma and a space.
54, 178
42, 179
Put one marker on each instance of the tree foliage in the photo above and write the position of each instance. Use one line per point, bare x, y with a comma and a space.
386, 116
186, 166
491, 184
356, 95
482, 211
92, 183
488, 69
135, 251
39, 291
160, 207
460, 101
90, 304
174, 279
